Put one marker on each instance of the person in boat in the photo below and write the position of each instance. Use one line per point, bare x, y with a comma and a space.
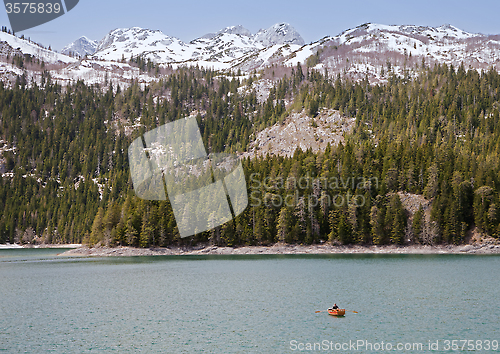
334, 307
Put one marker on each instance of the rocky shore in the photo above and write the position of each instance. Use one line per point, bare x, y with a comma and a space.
486, 248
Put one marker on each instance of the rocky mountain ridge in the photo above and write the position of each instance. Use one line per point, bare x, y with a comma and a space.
371, 51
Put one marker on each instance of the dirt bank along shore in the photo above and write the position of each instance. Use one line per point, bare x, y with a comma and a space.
487, 248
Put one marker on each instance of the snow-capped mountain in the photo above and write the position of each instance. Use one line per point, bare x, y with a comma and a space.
368, 47
447, 31
371, 51
366, 50
217, 50
418, 40
125, 43
81, 47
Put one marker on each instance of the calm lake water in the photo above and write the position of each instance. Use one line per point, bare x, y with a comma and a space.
246, 304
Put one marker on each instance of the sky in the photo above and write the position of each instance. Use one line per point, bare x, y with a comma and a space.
313, 19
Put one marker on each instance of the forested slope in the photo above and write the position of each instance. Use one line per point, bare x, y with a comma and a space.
66, 178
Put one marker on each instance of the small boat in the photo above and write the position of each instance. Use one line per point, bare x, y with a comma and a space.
336, 312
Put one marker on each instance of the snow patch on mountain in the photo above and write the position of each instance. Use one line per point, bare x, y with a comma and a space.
300, 56
261, 88
17, 45
100, 71
265, 57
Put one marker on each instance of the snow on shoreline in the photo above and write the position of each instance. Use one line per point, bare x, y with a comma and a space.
9, 246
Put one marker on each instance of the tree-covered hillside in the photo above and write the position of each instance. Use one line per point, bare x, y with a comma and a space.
66, 177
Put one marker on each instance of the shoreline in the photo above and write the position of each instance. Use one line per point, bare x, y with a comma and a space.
15, 246
276, 249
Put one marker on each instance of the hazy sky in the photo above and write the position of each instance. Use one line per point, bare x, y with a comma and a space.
313, 19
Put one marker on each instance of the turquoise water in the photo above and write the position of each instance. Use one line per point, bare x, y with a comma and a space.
244, 304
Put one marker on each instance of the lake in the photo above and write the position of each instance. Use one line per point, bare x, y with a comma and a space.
247, 304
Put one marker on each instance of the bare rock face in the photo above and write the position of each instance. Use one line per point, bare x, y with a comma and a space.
7, 50
230, 30
301, 131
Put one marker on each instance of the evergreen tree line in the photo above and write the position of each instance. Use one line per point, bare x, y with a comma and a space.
67, 147
435, 135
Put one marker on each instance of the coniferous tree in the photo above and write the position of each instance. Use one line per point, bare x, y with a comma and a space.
284, 222
344, 230
418, 223
97, 232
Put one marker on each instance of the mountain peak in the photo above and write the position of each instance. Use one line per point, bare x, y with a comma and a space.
280, 33
230, 30
132, 42
447, 26
82, 46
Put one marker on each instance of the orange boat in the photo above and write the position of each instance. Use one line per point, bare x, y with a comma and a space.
337, 312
